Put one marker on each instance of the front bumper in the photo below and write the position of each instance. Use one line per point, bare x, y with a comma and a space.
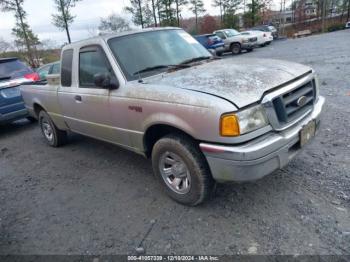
249, 45
220, 49
259, 157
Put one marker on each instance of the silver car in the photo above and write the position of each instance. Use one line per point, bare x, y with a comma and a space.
201, 120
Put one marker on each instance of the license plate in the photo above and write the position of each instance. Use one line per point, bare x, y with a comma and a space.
10, 92
307, 132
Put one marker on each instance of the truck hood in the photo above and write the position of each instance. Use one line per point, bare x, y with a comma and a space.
242, 81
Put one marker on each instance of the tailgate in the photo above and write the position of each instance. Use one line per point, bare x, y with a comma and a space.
10, 100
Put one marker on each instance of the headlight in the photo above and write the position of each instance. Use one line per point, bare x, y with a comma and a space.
243, 122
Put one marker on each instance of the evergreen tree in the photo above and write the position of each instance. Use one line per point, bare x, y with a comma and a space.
141, 13
178, 5
63, 19
197, 8
25, 38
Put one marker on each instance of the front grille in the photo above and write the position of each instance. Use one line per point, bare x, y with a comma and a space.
287, 107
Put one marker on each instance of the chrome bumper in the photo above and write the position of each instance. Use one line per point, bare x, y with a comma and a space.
259, 157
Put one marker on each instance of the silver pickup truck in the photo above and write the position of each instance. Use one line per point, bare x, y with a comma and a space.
200, 119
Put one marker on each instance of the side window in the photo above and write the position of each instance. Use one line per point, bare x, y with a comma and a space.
221, 35
92, 61
66, 72
43, 72
55, 69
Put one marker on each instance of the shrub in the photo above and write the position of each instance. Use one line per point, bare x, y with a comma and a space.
335, 27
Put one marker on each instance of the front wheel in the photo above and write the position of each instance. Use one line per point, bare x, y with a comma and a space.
236, 48
53, 136
182, 169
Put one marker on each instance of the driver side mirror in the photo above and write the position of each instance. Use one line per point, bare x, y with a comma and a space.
105, 80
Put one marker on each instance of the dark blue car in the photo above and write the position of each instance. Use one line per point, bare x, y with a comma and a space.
13, 73
211, 42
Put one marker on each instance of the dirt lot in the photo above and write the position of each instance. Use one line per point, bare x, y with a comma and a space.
90, 197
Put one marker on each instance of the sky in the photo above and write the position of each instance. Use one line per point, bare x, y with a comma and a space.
88, 14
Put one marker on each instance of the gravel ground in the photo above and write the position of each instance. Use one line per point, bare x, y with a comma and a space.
90, 197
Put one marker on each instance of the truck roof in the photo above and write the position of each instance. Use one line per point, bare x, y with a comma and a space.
108, 36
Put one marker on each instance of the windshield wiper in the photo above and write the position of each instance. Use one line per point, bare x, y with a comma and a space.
195, 59
151, 68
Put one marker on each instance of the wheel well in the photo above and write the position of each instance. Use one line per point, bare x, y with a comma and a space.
235, 43
37, 109
156, 132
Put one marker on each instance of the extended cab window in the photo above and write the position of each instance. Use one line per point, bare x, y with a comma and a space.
66, 75
92, 61
221, 35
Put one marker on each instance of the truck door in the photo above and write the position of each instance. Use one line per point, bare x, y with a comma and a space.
224, 38
85, 106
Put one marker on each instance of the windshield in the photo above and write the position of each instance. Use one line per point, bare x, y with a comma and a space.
231, 32
140, 51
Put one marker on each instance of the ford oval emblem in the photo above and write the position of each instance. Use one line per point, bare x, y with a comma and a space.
301, 101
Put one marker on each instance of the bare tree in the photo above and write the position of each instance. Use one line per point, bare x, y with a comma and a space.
4, 45
63, 19
113, 23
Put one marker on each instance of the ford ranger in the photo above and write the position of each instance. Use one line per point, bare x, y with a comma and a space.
235, 42
201, 120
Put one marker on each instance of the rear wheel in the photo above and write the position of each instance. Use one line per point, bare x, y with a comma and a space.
182, 169
236, 48
249, 50
53, 136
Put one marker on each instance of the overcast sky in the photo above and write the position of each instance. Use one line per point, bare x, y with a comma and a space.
88, 13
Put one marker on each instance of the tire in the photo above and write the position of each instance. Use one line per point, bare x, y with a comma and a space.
53, 136
182, 160
219, 53
236, 48
250, 49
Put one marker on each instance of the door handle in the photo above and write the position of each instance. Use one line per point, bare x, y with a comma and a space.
78, 98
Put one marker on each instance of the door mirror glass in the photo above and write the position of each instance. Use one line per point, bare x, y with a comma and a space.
105, 80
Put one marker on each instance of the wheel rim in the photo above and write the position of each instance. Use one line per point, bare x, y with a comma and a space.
47, 129
235, 49
175, 173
